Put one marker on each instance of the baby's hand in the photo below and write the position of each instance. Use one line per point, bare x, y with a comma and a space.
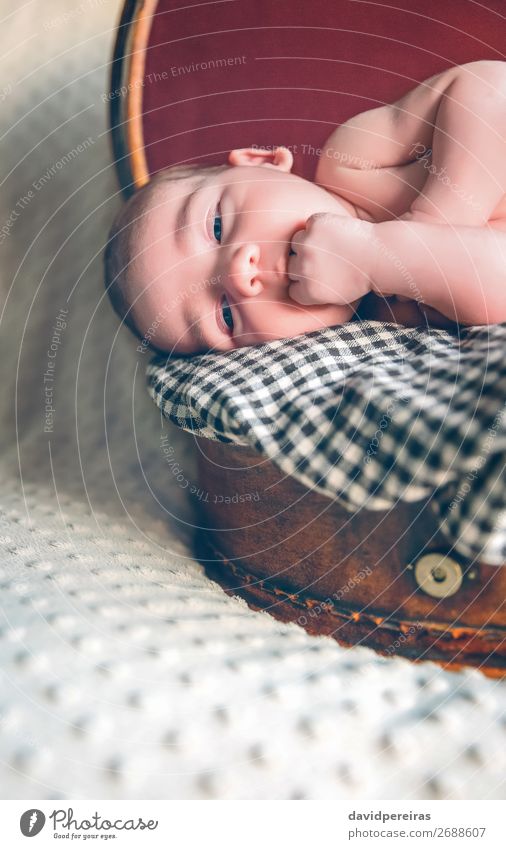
333, 260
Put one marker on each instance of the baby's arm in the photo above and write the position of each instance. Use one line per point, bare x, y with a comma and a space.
460, 114
460, 271
467, 177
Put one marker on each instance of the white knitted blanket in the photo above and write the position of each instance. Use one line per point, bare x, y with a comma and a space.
126, 673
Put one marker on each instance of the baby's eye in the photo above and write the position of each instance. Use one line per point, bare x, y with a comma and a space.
217, 225
227, 313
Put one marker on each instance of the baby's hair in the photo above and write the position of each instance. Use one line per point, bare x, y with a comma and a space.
118, 254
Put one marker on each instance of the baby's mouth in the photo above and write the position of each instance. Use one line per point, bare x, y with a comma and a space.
291, 252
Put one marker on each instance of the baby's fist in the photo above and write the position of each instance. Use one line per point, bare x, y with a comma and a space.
332, 261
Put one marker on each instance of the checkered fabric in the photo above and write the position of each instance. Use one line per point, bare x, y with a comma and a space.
368, 413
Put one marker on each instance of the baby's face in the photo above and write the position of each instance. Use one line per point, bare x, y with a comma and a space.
211, 256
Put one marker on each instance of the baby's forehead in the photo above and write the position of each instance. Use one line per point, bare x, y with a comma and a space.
164, 198
173, 192
160, 216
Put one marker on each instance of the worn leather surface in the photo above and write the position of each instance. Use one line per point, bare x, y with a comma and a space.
271, 535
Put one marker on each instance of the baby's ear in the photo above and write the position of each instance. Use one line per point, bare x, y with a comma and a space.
279, 157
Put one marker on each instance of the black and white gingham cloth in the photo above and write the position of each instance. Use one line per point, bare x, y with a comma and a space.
368, 413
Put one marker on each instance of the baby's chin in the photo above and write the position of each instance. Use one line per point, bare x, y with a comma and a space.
309, 319
330, 315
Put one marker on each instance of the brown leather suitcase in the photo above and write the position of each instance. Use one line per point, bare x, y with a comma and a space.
381, 579
189, 83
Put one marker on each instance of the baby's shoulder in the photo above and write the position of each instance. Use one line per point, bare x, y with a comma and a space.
345, 181
349, 208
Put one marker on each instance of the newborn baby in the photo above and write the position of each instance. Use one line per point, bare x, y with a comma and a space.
218, 258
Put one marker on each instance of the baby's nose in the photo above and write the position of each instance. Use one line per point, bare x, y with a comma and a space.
243, 272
